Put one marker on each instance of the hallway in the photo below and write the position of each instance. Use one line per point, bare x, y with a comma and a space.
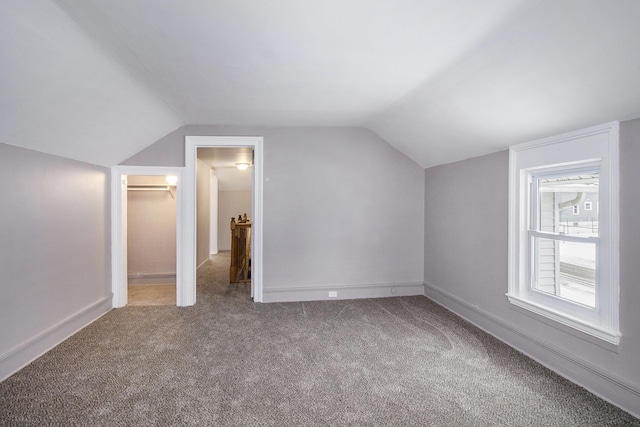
212, 280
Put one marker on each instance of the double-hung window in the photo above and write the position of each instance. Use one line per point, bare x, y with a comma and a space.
563, 261
563, 248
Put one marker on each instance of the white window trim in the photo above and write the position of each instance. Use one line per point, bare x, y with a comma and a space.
596, 144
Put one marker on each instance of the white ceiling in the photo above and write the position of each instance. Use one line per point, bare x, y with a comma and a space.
223, 161
441, 80
61, 94
225, 157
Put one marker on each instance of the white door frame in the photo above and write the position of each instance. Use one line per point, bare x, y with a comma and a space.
119, 279
192, 143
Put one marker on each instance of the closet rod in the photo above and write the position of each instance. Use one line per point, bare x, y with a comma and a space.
151, 187
148, 187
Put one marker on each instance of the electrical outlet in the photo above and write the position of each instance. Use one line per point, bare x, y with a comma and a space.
333, 294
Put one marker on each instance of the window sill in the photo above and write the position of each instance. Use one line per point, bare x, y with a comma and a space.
596, 331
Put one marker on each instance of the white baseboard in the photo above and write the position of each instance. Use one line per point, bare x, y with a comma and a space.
166, 275
27, 351
320, 293
151, 279
611, 388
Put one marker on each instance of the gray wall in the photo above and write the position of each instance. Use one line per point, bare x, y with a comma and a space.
466, 270
231, 204
54, 251
203, 218
341, 206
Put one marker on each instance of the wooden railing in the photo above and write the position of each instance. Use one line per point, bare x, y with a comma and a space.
240, 270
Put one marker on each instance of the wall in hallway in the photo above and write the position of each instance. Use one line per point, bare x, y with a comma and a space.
203, 183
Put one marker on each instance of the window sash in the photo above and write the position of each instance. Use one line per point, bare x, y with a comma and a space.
564, 237
568, 305
534, 223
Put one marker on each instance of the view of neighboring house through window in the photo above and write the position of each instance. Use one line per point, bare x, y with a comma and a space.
564, 247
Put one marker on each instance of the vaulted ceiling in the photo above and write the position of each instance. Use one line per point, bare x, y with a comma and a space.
441, 80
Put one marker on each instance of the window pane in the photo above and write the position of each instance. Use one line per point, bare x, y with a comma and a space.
565, 269
559, 200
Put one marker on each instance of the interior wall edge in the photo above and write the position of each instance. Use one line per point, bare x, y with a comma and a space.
608, 387
32, 348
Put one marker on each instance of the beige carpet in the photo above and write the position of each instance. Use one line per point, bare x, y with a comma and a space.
138, 295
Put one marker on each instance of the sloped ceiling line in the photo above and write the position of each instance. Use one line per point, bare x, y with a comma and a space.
439, 80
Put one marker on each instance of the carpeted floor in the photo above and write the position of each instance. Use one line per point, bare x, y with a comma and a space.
163, 294
227, 361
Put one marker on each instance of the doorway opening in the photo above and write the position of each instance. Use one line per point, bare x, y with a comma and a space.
224, 184
151, 240
195, 240
185, 218
144, 178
